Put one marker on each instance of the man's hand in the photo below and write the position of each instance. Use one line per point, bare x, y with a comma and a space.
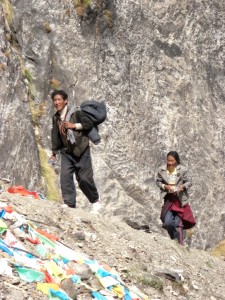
52, 160
69, 125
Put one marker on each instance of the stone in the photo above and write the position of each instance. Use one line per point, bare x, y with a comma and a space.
79, 236
68, 286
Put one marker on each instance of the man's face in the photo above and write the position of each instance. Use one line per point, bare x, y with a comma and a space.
59, 103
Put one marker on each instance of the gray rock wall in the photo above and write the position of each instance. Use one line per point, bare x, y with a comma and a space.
18, 148
159, 66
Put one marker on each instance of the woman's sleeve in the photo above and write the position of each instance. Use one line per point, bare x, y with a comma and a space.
159, 180
187, 182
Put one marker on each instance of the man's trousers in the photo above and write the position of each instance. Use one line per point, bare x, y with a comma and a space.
82, 167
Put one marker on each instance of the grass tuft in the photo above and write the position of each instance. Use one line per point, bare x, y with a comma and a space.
2, 67
47, 27
219, 250
49, 175
55, 84
108, 17
8, 11
30, 80
81, 6
37, 111
155, 283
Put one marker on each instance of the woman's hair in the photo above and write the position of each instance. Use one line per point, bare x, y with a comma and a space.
61, 93
175, 155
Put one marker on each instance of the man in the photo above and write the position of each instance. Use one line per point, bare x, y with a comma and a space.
70, 137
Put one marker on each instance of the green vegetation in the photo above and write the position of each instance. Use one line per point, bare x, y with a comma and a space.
7, 11
55, 84
30, 80
151, 281
2, 67
83, 3
108, 17
209, 264
49, 175
47, 27
36, 111
81, 6
7, 53
99, 15
28, 76
155, 283
219, 250
178, 286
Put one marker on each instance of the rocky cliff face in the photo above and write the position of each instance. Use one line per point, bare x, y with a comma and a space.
159, 66
19, 155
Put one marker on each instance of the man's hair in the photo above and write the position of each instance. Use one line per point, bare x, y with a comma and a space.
61, 93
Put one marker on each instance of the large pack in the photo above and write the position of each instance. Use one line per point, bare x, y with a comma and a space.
97, 112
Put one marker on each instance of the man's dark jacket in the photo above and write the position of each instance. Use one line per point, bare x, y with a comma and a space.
81, 136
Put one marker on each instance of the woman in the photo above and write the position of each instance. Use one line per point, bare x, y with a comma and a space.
174, 183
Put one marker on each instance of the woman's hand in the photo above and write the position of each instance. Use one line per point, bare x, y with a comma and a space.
168, 188
181, 188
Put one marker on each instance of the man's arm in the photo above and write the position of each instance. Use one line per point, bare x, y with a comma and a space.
55, 141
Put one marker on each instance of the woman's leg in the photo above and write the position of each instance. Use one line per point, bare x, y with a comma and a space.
179, 235
169, 224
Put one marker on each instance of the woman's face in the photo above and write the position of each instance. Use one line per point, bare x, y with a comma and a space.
171, 162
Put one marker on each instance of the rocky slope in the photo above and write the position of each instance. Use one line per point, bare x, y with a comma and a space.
156, 265
160, 67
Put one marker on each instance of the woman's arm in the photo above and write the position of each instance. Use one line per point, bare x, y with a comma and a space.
162, 184
159, 181
187, 182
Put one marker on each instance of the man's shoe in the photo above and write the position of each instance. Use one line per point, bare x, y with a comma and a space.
64, 205
95, 207
67, 206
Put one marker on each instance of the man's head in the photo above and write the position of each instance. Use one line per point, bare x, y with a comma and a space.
60, 99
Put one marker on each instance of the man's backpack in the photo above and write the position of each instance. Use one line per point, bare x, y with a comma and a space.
97, 112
